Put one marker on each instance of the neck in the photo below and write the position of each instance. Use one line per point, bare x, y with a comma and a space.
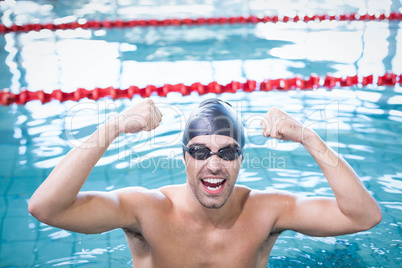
214, 216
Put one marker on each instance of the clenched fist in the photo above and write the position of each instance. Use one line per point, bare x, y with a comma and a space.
143, 116
278, 124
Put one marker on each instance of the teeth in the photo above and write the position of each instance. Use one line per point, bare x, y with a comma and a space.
214, 181
214, 188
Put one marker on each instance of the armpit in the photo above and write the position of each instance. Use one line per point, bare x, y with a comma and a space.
137, 242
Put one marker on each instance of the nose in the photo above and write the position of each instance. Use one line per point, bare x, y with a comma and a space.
214, 164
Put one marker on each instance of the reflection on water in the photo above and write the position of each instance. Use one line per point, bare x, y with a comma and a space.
362, 124
155, 160
157, 55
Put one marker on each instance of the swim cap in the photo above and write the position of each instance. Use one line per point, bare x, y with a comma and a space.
214, 117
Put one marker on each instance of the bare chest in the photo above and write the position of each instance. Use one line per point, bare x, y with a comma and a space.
184, 243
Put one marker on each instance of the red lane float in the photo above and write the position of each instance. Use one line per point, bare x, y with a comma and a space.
94, 24
281, 84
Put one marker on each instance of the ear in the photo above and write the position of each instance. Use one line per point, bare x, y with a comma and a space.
184, 161
184, 157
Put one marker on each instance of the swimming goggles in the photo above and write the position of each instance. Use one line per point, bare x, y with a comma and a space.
200, 152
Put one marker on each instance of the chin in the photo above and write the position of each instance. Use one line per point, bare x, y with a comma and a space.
212, 205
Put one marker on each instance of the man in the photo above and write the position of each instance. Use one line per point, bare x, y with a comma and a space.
209, 221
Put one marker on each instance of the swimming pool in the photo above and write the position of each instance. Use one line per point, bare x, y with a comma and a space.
361, 123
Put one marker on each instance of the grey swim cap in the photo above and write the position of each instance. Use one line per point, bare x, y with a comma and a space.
214, 117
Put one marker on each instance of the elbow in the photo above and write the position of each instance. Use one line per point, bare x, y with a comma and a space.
377, 218
33, 209
38, 211
374, 219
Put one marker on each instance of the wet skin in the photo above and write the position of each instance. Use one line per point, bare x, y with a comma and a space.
208, 221
192, 226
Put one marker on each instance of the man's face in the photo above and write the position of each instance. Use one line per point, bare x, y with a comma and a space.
212, 180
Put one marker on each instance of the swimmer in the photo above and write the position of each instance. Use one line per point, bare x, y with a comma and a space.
209, 221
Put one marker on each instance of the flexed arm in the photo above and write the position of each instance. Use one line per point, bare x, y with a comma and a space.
58, 201
353, 208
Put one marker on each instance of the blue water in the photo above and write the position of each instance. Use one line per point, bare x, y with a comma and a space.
363, 124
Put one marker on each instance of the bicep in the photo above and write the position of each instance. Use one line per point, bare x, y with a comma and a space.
97, 212
315, 216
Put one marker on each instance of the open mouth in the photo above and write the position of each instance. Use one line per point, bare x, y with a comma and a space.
213, 186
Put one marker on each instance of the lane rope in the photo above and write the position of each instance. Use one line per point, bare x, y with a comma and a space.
96, 24
282, 84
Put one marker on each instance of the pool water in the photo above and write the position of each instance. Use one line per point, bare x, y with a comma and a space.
363, 124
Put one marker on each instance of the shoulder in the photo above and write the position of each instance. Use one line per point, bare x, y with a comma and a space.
271, 193
160, 195
267, 206
267, 194
134, 191
141, 197
272, 200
